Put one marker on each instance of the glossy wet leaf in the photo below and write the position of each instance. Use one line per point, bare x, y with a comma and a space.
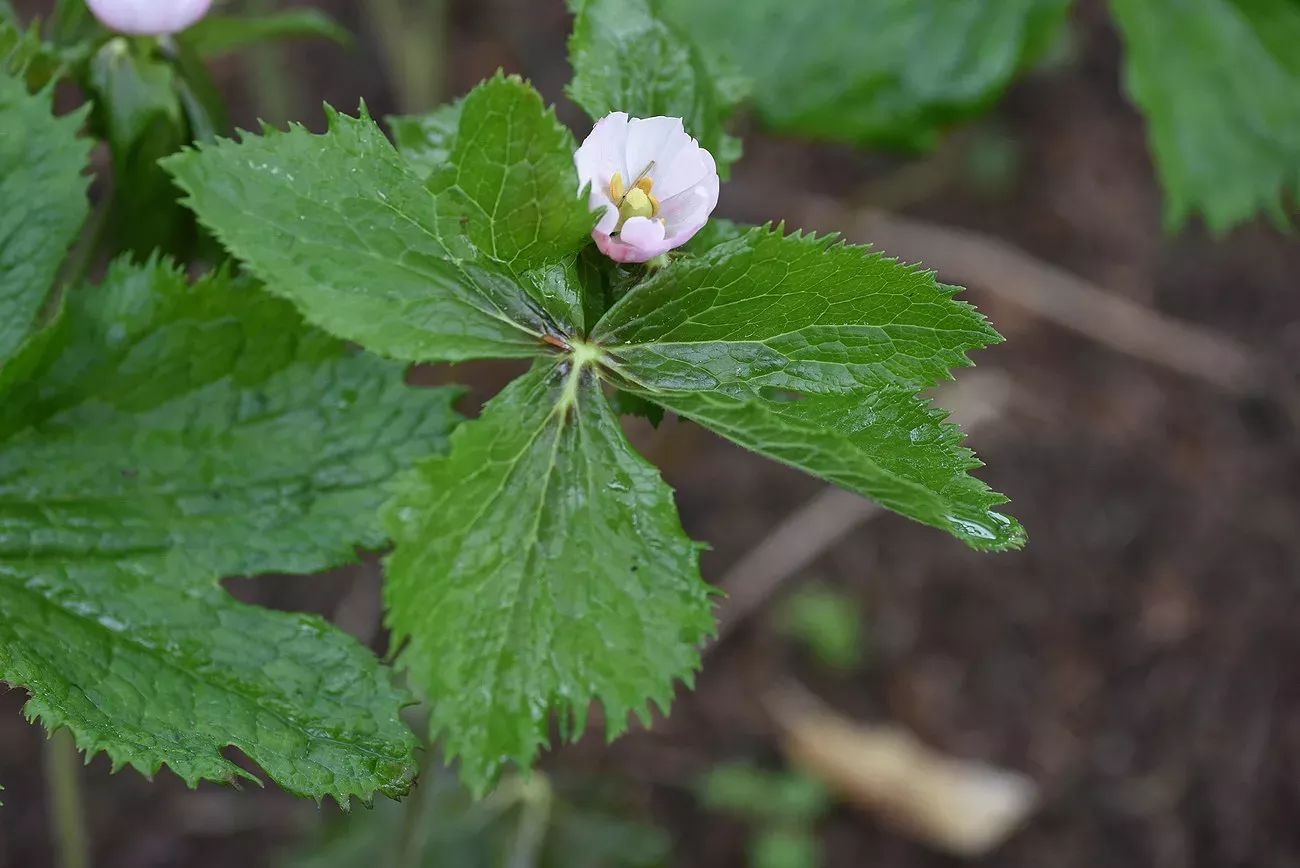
892, 72
425, 140
541, 566
775, 311
627, 58
628, 404
889, 446
715, 232
814, 355
509, 182
341, 225
155, 673
43, 188
162, 436
1219, 82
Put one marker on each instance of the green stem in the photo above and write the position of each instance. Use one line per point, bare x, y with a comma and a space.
537, 798
414, 48
414, 834
276, 92
82, 258
63, 783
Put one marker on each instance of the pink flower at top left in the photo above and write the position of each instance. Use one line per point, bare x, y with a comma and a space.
148, 17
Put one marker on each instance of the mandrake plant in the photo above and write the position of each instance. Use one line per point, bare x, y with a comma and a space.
160, 432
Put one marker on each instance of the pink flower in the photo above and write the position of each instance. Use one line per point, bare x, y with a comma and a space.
148, 17
656, 184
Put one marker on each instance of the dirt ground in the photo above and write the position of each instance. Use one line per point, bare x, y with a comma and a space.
1139, 659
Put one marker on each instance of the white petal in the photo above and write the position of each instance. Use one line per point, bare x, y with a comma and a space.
688, 206
600, 156
148, 17
604, 150
650, 243
691, 166
640, 240
656, 140
642, 232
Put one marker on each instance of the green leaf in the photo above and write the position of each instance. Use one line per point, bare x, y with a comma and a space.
828, 621
132, 88
559, 289
541, 565
602, 281
765, 795
138, 111
153, 672
25, 54
72, 23
891, 72
204, 104
889, 446
1219, 82
771, 311
783, 847
43, 189
813, 356
171, 435
340, 225
216, 35
628, 404
510, 180
627, 58
528, 821
716, 231
425, 140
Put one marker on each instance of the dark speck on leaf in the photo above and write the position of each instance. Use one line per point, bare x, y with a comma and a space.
464, 220
130, 474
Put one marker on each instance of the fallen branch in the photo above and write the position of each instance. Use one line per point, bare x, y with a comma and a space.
956, 805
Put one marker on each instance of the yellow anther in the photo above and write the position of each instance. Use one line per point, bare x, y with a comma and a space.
636, 204
616, 188
645, 184
654, 201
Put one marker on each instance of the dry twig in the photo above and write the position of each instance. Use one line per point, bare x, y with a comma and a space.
957, 805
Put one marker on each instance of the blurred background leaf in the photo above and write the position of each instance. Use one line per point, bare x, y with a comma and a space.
216, 35
524, 824
887, 72
827, 621
1219, 82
